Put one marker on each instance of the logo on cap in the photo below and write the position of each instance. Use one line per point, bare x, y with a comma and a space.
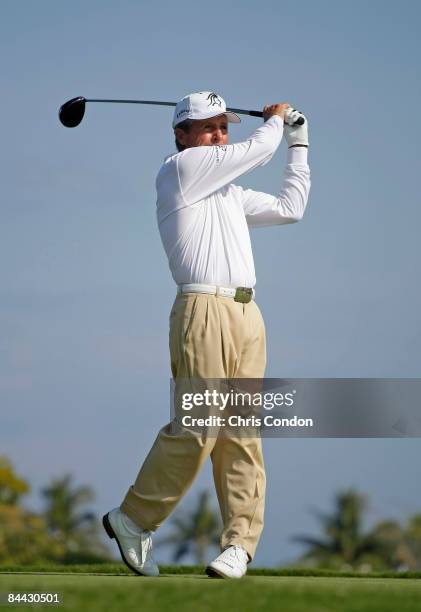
214, 100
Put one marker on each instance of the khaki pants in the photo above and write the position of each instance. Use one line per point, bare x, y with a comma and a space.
210, 337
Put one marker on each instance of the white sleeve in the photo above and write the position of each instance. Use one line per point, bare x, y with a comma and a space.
263, 209
203, 170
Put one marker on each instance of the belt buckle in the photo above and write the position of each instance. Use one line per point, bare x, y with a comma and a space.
243, 295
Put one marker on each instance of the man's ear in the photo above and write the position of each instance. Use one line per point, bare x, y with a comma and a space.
180, 135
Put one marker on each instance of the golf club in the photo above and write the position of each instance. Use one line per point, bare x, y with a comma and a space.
71, 112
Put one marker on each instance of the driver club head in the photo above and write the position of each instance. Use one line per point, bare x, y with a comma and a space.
71, 112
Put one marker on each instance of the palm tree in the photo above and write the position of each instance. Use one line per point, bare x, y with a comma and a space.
195, 532
75, 528
344, 541
388, 545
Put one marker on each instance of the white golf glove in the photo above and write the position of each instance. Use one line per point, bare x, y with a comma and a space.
295, 134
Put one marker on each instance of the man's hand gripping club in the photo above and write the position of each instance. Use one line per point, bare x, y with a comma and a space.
296, 135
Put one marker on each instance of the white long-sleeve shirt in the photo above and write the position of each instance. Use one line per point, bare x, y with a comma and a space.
203, 218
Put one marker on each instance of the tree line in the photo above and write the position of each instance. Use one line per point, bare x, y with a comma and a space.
65, 531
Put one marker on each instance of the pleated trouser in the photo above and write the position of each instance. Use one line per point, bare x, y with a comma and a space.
210, 337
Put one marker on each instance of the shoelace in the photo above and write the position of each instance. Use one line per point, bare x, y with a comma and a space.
234, 552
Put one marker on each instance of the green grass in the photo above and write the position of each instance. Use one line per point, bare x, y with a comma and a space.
121, 569
116, 591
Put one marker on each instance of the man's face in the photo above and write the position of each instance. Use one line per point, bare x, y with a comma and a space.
205, 133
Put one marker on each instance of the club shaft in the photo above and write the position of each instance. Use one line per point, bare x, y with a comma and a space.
240, 111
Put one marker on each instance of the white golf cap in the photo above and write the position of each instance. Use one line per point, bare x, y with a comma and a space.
202, 105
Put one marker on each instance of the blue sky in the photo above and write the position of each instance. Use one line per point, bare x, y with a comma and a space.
86, 291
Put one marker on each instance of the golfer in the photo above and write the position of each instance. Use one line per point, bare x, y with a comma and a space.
216, 328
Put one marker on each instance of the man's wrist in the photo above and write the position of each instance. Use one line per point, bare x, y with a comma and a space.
298, 145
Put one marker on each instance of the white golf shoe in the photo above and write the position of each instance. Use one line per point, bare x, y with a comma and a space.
134, 543
232, 563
